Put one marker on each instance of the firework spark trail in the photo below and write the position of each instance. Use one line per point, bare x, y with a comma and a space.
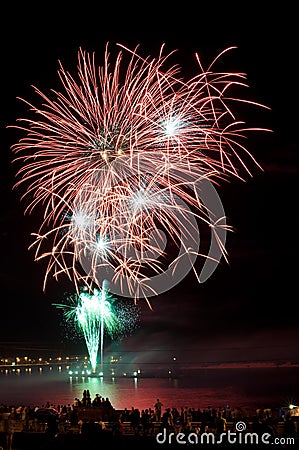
93, 314
108, 158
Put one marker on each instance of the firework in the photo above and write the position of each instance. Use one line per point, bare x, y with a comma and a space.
118, 161
93, 314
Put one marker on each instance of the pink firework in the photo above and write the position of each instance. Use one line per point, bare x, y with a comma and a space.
116, 161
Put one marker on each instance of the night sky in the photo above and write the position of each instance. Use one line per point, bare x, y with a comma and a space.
248, 309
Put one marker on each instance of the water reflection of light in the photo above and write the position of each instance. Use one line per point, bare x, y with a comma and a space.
208, 387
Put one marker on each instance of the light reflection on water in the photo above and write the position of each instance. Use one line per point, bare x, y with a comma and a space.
247, 388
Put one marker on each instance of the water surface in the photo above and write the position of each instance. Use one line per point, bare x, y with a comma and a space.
245, 388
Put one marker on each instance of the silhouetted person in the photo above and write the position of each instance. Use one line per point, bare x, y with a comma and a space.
289, 429
145, 421
88, 398
220, 422
52, 427
97, 400
167, 421
135, 420
84, 398
74, 418
158, 410
125, 415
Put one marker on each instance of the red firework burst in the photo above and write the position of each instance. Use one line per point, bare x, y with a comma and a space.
117, 158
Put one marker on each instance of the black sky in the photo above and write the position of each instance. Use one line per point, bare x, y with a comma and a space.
252, 302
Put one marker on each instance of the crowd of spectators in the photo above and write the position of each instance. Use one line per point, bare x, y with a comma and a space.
88, 416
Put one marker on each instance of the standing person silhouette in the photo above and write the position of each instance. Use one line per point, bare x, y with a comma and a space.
88, 398
158, 410
84, 398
